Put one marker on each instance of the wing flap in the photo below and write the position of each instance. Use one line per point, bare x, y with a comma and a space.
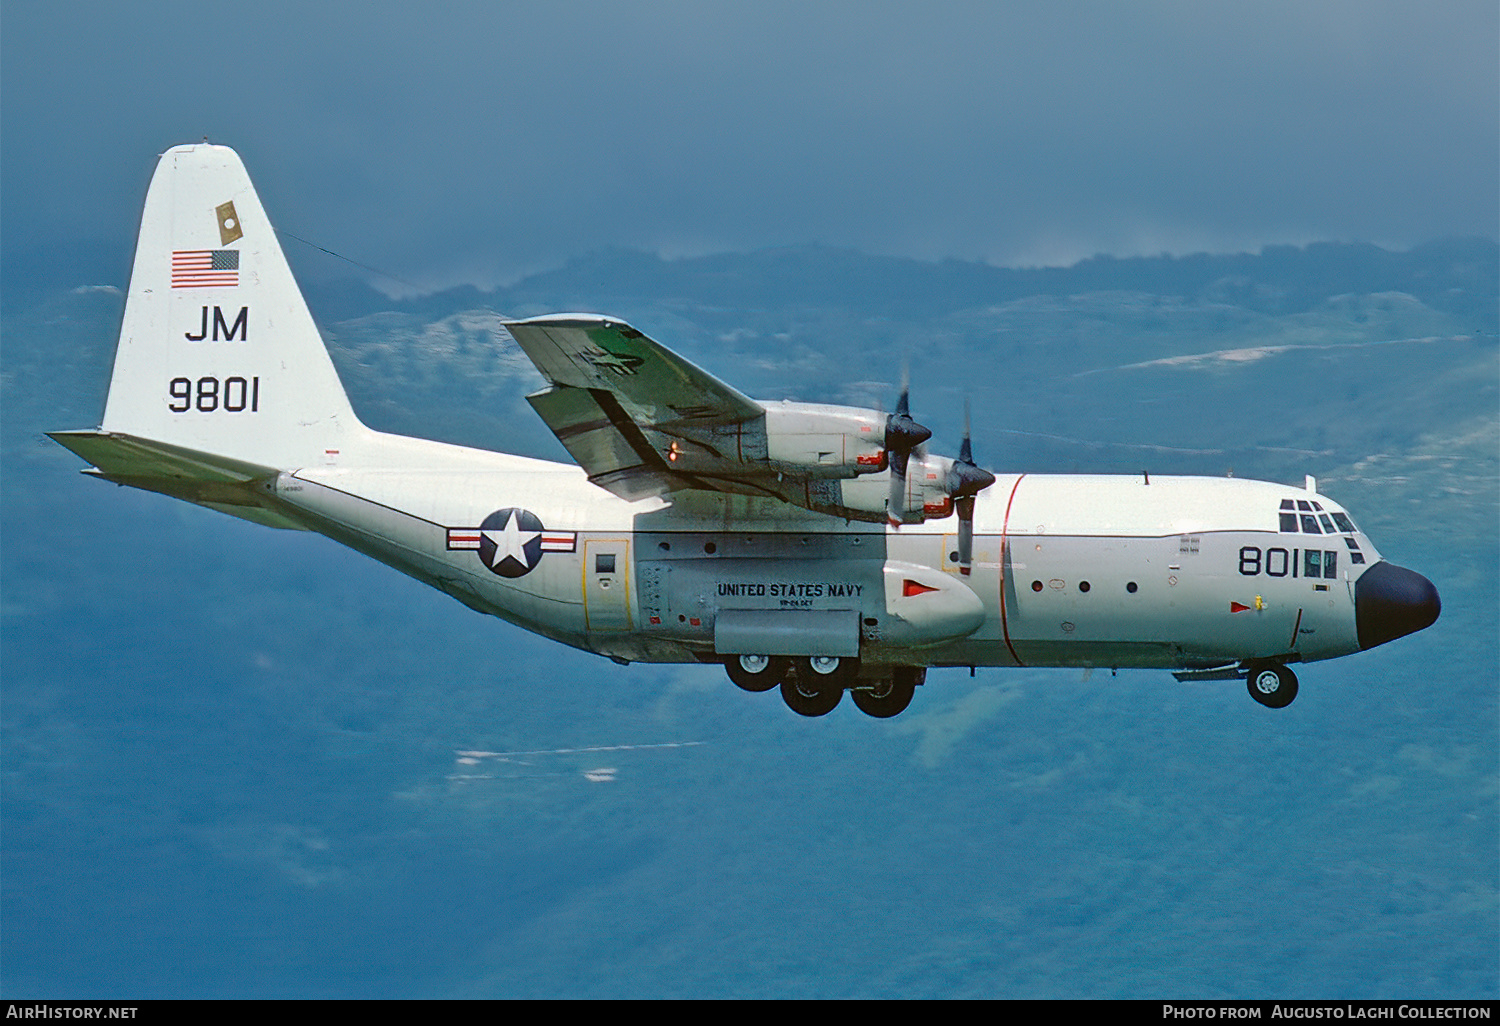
605, 442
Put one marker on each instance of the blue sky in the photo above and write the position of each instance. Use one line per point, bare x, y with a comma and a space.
480, 141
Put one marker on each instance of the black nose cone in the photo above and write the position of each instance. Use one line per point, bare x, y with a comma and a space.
1391, 601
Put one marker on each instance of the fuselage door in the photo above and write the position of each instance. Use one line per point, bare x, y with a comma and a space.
606, 584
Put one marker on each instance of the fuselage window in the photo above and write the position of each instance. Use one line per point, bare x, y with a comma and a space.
1330, 565
1327, 523
1310, 524
1304, 505
1289, 523
1288, 504
1345, 524
604, 563
1357, 558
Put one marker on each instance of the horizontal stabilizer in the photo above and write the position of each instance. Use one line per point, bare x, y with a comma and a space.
218, 482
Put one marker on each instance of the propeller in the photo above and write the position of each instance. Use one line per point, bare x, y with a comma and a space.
965, 481
902, 435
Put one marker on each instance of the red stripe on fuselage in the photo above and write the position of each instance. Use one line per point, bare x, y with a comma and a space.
1004, 544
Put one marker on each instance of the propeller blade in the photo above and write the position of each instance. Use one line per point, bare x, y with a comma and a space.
965, 534
895, 503
965, 481
902, 435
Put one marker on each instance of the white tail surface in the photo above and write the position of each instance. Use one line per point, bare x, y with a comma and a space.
218, 353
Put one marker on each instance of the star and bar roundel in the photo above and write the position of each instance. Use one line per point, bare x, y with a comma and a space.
511, 542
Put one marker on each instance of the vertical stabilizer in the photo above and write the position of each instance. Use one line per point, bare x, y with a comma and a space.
218, 353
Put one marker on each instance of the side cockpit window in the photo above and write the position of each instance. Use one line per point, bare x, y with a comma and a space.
1320, 564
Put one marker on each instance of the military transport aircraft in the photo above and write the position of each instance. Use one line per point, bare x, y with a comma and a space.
819, 549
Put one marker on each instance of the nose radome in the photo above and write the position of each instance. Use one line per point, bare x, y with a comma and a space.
1391, 601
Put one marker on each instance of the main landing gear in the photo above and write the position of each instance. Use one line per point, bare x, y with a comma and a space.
757, 672
814, 685
883, 698
1271, 684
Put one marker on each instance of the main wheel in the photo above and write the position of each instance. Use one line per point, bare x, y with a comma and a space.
1272, 684
756, 672
830, 670
810, 697
885, 697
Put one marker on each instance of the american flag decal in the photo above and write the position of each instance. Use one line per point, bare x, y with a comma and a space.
205, 268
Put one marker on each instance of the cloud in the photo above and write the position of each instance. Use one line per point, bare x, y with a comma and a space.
477, 142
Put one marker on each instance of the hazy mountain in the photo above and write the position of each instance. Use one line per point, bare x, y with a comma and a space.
232, 756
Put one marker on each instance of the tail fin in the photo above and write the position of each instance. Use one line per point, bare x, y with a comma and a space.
218, 354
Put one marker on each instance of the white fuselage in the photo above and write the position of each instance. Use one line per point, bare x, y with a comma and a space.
1074, 570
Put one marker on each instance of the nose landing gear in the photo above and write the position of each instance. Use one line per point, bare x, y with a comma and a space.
1271, 684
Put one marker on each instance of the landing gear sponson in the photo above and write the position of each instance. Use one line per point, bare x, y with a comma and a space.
814, 685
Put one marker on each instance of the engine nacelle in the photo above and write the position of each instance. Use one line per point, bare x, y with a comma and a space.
821, 441
927, 494
865, 499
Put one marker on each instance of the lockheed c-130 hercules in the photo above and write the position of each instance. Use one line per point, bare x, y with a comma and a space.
815, 548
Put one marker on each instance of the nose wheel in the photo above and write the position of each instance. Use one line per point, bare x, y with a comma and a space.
1272, 684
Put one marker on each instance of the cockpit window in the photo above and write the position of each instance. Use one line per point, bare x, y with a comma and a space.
1310, 515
